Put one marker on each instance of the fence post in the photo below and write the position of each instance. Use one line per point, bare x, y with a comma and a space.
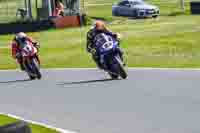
182, 5
30, 9
49, 6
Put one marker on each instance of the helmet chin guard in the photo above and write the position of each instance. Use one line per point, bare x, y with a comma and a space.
20, 35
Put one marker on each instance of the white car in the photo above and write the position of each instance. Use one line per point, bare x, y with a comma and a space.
135, 8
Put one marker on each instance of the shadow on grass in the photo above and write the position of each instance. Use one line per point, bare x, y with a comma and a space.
86, 82
14, 81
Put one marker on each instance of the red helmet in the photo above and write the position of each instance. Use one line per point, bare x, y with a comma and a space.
100, 25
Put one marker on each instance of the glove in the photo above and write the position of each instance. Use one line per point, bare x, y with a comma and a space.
36, 44
117, 36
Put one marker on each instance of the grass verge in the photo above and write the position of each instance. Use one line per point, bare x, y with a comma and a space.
172, 40
4, 120
164, 42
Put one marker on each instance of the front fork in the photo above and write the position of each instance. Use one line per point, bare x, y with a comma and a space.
37, 58
26, 63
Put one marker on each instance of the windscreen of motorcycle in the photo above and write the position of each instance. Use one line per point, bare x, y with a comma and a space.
103, 41
22, 44
28, 50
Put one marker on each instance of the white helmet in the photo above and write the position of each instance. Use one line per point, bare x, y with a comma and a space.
20, 35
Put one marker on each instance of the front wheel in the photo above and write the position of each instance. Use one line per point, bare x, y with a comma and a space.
31, 77
113, 76
121, 70
123, 73
37, 69
28, 69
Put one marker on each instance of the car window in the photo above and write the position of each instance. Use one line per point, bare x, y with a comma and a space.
124, 3
137, 3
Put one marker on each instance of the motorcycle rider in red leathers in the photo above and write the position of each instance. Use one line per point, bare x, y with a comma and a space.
20, 38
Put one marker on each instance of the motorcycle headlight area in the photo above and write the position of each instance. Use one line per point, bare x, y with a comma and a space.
107, 45
141, 12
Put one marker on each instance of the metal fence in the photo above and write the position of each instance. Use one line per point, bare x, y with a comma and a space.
18, 10
9, 9
15, 10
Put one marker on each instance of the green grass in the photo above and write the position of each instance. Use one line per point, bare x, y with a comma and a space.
4, 120
8, 8
172, 40
104, 11
164, 42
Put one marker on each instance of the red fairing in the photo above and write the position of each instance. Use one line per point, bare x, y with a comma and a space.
15, 49
15, 46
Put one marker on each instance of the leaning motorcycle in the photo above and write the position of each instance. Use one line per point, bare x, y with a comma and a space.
107, 47
31, 61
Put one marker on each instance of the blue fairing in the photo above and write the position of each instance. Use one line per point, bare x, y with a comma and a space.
107, 47
106, 50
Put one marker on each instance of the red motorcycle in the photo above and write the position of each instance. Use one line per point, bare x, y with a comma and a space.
31, 60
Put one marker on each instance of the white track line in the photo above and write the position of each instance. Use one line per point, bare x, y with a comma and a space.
130, 68
38, 123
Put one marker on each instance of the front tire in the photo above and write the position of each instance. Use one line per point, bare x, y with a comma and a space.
36, 68
123, 73
28, 70
121, 69
32, 77
113, 76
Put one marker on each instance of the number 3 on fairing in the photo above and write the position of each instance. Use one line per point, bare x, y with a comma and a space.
107, 46
28, 48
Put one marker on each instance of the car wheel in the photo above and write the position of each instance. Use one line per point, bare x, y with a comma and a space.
135, 14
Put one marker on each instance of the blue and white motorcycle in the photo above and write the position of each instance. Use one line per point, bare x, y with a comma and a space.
107, 47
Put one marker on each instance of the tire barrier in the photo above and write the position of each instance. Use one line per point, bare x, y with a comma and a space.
195, 7
17, 127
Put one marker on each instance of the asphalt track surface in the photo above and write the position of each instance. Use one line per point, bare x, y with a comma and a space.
85, 101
